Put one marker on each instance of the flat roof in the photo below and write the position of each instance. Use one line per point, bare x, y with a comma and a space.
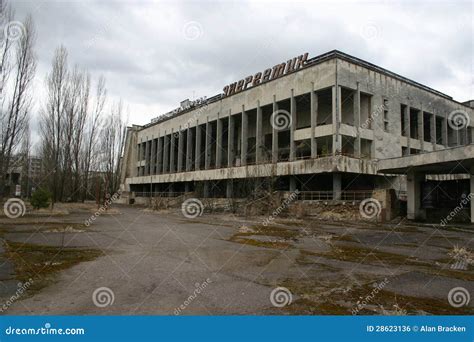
310, 63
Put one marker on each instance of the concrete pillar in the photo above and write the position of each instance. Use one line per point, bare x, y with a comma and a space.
274, 134
336, 186
229, 188
180, 150
159, 156
139, 151
314, 120
187, 187
147, 157
336, 110
292, 183
206, 189
219, 143
230, 141
244, 140
421, 128
414, 195
207, 161
259, 135
172, 156
357, 123
189, 149
292, 126
408, 127
444, 132
153, 156
166, 153
433, 131
197, 157
472, 194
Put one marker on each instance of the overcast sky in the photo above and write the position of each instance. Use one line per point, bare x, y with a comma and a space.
155, 54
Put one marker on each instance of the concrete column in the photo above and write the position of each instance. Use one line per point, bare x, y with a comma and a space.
147, 157
180, 150
230, 141
274, 134
153, 156
259, 135
189, 149
408, 127
292, 183
444, 132
197, 157
206, 189
472, 194
207, 161
336, 186
159, 156
433, 131
187, 187
172, 156
414, 195
244, 140
357, 123
166, 153
219, 143
421, 128
292, 126
229, 188
336, 110
314, 120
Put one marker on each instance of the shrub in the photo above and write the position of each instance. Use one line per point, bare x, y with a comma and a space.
40, 199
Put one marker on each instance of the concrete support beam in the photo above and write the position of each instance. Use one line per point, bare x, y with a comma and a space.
172, 150
259, 135
187, 187
336, 186
153, 156
274, 134
139, 158
207, 161
219, 146
197, 157
292, 126
292, 183
166, 152
314, 120
159, 156
244, 140
336, 115
180, 150
147, 157
189, 149
357, 123
230, 142
421, 128
444, 132
433, 131
229, 188
414, 181
206, 189
408, 127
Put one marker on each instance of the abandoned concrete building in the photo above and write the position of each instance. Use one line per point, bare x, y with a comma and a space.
320, 125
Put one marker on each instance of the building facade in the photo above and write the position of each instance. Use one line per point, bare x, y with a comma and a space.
312, 124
